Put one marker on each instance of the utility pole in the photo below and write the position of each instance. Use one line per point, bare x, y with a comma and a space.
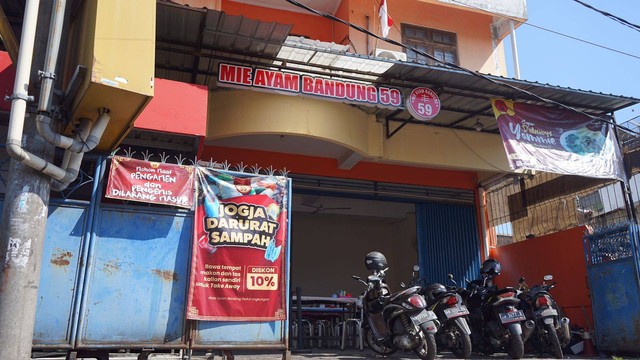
24, 218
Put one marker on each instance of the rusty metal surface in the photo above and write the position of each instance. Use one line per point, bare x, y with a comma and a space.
137, 279
59, 276
615, 290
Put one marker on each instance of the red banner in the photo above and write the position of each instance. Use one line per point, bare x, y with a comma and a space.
238, 270
295, 83
151, 182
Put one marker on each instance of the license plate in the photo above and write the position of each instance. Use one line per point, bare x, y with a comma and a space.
454, 312
545, 312
422, 317
509, 317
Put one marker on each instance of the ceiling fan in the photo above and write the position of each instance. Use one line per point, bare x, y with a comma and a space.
321, 208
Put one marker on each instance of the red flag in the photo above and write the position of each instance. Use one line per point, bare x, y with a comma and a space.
385, 19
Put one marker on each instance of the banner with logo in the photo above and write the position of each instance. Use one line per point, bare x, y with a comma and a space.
238, 270
151, 182
557, 140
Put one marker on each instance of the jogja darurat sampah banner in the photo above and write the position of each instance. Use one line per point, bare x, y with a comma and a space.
557, 140
240, 239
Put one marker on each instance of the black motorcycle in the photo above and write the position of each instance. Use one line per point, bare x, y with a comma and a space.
395, 320
494, 318
551, 330
453, 329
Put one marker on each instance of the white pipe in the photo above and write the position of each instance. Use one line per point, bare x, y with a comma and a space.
21, 95
51, 57
514, 51
43, 119
72, 160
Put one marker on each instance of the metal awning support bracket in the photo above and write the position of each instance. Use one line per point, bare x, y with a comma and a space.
387, 121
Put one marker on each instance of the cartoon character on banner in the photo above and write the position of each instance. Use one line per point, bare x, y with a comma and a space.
224, 186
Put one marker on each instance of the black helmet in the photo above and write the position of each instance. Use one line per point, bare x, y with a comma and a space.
490, 267
435, 290
375, 261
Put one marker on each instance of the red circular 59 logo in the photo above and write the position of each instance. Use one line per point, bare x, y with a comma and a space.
423, 103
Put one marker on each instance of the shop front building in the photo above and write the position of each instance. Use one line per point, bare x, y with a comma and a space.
387, 144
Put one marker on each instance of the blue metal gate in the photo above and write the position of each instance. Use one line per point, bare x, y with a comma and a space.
137, 279
60, 275
448, 241
117, 275
612, 266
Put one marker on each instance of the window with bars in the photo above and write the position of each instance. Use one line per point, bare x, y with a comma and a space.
442, 45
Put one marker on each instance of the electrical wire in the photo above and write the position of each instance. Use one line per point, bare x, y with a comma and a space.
559, 33
610, 16
584, 41
451, 65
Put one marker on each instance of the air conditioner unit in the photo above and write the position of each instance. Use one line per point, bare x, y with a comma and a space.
391, 55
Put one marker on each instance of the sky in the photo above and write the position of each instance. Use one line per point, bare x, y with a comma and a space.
554, 59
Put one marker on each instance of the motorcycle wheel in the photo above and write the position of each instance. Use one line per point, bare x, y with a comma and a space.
516, 346
552, 336
462, 348
379, 348
428, 349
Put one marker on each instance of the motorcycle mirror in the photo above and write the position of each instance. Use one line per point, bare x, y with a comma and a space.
521, 280
416, 268
402, 285
548, 277
355, 277
450, 277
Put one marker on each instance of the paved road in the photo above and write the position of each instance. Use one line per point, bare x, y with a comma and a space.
368, 354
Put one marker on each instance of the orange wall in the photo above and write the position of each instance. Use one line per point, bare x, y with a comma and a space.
7, 77
475, 46
176, 107
473, 30
328, 167
311, 26
561, 255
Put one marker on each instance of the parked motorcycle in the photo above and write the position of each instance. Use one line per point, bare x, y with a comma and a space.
453, 329
551, 332
493, 314
395, 320
454, 332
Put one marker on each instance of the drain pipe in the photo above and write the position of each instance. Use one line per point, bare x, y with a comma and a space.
43, 119
72, 160
20, 97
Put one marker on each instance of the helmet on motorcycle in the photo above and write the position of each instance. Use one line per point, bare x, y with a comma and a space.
375, 261
490, 267
435, 290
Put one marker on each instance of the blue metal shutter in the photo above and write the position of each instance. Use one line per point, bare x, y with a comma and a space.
448, 242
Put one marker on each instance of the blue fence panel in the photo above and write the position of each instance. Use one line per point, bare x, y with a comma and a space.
137, 279
612, 267
253, 335
448, 242
59, 276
